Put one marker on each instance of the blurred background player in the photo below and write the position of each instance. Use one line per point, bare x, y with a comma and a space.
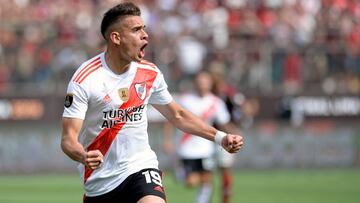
232, 101
197, 155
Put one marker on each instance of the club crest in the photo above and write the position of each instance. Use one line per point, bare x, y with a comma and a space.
68, 100
107, 99
123, 94
140, 89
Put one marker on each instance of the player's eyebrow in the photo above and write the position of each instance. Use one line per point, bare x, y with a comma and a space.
139, 27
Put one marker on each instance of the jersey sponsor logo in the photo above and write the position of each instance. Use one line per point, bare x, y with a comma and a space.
123, 94
140, 89
68, 100
115, 116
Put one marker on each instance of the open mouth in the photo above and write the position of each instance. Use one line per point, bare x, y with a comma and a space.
142, 51
143, 47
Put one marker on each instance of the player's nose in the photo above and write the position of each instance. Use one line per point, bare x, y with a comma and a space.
144, 35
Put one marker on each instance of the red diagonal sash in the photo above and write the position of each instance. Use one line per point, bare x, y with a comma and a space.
204, 116
103, 141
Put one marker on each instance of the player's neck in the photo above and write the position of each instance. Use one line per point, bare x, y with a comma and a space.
202, 94
116, 64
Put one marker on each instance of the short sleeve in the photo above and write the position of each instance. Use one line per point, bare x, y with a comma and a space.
76, 102
222, 114
160, 94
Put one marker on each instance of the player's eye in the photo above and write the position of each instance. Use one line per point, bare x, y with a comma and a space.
136, 28
139, 28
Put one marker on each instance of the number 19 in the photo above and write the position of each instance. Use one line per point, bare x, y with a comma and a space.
152, 176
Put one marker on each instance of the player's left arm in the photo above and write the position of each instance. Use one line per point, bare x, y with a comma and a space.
189, 123
230, 127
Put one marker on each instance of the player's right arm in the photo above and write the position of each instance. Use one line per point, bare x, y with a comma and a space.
168, 131
69, 139
76, 105
74, 149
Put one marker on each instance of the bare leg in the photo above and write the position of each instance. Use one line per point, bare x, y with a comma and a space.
151, 199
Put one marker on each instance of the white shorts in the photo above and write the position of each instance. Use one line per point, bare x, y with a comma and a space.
223, 158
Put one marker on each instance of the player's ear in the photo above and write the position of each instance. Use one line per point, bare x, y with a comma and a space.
115, 37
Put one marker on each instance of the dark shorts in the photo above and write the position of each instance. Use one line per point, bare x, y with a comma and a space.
138, 185
197, 165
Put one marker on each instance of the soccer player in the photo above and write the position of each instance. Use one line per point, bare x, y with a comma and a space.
199, 157
225, 160
104, 120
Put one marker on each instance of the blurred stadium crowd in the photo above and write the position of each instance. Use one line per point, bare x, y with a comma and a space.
260, 46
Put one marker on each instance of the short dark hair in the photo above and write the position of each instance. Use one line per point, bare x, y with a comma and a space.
113, 14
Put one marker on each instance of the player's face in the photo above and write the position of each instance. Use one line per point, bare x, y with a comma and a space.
203, 83
133, 38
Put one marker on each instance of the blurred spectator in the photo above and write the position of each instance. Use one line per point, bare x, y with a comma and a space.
190, 53
292, 69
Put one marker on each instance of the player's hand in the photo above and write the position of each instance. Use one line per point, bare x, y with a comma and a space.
232, 143
94, 159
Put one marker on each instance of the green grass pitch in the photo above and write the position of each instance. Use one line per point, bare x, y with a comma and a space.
273, 186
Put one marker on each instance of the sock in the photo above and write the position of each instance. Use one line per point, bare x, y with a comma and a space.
204, 194
180, 174
226, 187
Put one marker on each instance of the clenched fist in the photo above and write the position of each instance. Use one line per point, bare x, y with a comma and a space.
232, 143
93, 159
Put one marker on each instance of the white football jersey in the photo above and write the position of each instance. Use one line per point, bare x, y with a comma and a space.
113, 108
210, 109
